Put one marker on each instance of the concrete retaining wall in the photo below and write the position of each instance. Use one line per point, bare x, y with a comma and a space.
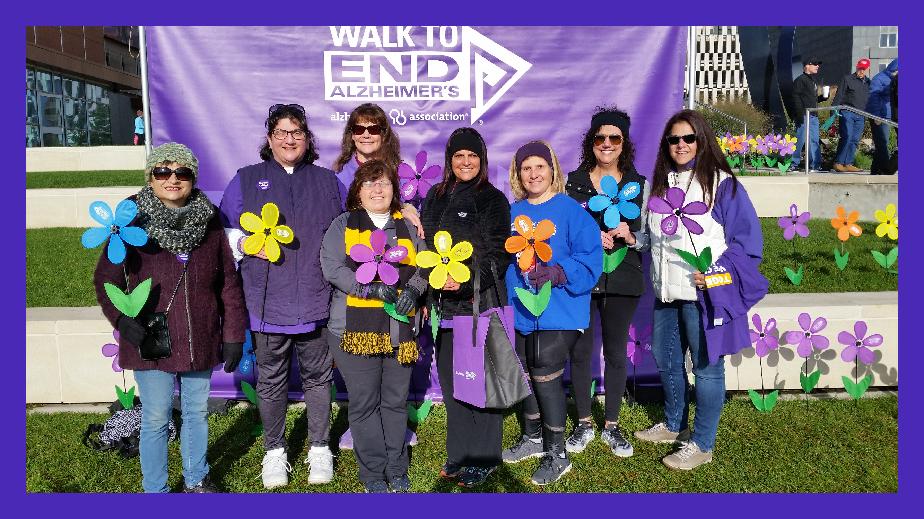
92, 158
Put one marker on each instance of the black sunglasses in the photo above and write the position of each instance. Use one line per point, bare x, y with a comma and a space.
615, 139
359, 129
183, 174
275, 108
674, 140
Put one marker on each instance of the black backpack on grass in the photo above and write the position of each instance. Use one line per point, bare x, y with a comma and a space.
121, 432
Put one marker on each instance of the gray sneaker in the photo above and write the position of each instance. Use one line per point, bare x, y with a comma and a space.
580, 437
522, 450
552, 467
659, 433
687, 457
617, 442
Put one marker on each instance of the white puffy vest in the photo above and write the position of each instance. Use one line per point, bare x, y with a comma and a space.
671, 277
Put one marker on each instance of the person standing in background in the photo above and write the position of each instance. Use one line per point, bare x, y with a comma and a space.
853, 90
880, 103
805, 94
139, 128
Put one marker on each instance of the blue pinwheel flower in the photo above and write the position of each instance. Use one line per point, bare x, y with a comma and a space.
115, 227
616, 202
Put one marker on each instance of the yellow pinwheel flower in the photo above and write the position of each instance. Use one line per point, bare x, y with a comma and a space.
446, 261
266, 234
888, 222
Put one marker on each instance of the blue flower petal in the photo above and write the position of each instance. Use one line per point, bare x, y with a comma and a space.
628, 209
609, 185
134, 236
125, 213
599, 202
630, 191
94, 237
116, 250
611, 217
101, 212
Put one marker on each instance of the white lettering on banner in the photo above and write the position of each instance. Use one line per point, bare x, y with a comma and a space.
437, 74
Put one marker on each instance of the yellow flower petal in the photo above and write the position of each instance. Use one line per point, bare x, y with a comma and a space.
251, 223
254, 243
461, 251
272, 249
427, 259
893, 232
283, 234
880, 216
459, 272
891, 211
438, 276
442, 240
881, 229
270, 214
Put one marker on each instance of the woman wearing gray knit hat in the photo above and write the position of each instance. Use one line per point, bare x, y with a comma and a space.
192, 271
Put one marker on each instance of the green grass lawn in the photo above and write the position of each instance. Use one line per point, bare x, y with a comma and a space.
72, 179
59, 271
802, 446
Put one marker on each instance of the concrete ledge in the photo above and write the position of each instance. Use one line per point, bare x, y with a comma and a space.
86, 158
64, 363
69, 207
821, 193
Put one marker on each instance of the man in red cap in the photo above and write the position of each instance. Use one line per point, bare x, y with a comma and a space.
853, 90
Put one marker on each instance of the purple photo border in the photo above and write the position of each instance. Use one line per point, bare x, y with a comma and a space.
845, 12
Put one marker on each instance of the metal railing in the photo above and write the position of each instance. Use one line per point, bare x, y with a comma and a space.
723, 114
808, 111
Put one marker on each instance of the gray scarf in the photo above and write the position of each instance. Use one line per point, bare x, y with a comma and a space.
176, 230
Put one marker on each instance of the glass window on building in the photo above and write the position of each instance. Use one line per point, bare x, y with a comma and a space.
32, 136
65, 111
888, 36
48, 82
50, 111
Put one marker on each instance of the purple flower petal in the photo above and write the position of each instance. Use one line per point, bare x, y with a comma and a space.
366, 272
395, 254
669, 225
423, 187
361, 253
771, 325
691, 225
755, 320
115, 364
846, 339
805, 321
784, 222
804, 218
771, 340
793, 211
801, 230
873, 340
695, 208
420, 160
805, 348
789, 232
753, 335
388, 273
675, 197
658, 205
110, 349
409, 189
849, 353
406, 171
794, 337
378, 240
866, 355
761, 348
820, 342
859, 330
433, 172
819, 325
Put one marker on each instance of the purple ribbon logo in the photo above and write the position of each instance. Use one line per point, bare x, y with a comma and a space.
263, 185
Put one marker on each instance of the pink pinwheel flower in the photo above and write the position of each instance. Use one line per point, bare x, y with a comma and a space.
794, 223
807, 339
858, 345
112, 350
377, 260
639, 344
672, 204
419, 180
763, 338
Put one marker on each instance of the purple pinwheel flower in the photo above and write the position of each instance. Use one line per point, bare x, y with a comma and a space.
807, 338
773, 142
377, 259
638, 345
112, 350
763, 145
763, 338
616, 202
114, 227
672, 204
794, 223
858, 345
419, 180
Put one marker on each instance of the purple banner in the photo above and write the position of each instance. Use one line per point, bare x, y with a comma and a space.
210, 88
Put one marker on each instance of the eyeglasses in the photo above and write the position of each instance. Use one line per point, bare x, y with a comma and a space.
183, 174
359, 129
615, 139
275, 108
674, 140
279, 134
381, 184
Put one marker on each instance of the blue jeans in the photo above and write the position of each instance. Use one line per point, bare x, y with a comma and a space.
851, 128
814, 144
677, 329
156, 388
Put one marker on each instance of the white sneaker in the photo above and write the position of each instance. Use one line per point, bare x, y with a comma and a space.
276, 469
320, 465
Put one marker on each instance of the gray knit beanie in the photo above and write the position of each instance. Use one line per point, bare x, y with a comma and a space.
172, 152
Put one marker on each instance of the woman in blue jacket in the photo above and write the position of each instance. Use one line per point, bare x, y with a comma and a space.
556, 242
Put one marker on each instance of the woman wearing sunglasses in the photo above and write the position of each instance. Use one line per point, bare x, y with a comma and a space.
196, 285
696, 202
288, 298
607, 171
368, 135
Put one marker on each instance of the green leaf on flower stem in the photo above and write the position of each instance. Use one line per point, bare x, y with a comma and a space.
250, 393
419, 414
691, 260
809, 382
771, 162
783, 165
757, 162
129, 304
593, 388
535, 303
856, 390
770, 400
434, 321
733, 160
841, 261
892, 257
756, 399
126, 398
611, 261
794, 277
880, 258
705, 259
390, 310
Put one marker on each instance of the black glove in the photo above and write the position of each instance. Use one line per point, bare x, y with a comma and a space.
407, 301
130, 330
231, 353
386, 293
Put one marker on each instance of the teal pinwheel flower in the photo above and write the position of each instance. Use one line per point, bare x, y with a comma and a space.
115, 227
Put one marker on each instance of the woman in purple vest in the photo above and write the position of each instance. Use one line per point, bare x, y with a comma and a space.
288, 299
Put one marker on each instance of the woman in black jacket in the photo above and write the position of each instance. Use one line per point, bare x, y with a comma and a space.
607, 154
469, 208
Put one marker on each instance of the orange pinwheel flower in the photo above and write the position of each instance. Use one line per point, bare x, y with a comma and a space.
846, 224
530, 242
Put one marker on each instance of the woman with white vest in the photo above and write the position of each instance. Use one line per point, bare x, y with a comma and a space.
696, 202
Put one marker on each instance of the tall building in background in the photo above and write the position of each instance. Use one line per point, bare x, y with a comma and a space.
719, 66
83, 85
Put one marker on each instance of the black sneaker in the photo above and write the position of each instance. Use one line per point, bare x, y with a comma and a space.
204, 487
399, 484
450, 470
580, 437
522, 450
552, 467
617, 442
473, 476
376, 487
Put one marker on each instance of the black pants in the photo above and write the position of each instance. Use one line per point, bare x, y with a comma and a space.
473, 435
378, 387
545, 353
615, 316
274, 354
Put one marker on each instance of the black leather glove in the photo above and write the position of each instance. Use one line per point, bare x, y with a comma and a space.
130, 330
231, 353
407, 301
386, 293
